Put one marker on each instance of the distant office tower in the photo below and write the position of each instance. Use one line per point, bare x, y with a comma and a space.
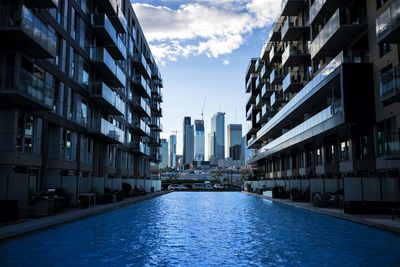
172, 151
218, 129
199, 140
234, 136
164, 153
211, 146
188, 141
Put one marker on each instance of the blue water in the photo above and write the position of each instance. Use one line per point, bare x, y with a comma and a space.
205, 229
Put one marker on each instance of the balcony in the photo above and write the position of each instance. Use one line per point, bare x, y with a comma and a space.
276, 99
78, 117
21, 28
251, 83
293, 82
266, 91
390, 86
388, 144
43, 3
259, 82
276, 77
274, 34
118, 51
140, 83
119, 21
22, 88
107, 131
106, 65
141, 106
250, 111
387, 24
265, 71
291, 31
140, 148
321, 7
141, 127
259, 101
140, 63
103, 28
108, 99
275, 55
258, 65
327, 119
109, 6
291, 7
337, 33
295, 55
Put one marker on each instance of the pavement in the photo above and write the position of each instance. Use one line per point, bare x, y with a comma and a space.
383, 222
22, 227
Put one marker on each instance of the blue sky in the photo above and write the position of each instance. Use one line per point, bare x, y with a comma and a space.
203, 48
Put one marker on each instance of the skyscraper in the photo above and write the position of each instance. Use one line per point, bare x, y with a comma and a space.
234, 138
172, 151
218, 129
199, 140
164, 153
188, 141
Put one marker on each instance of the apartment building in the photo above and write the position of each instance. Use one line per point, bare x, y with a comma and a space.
80, 97
324, 101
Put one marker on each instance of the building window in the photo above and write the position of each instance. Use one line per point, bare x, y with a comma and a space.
384, 49
318, 156
330, 155
362, 147
380, 3
344, 150
25, 130
66, 146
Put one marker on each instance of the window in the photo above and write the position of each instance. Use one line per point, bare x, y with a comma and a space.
66, 146
344, 150
25, 131
330, 155
318, 156
362, 147
72, 63
384, 49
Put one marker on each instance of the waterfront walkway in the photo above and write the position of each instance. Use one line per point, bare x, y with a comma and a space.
27, 226
384, 222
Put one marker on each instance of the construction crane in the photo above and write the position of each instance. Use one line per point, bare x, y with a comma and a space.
202, 110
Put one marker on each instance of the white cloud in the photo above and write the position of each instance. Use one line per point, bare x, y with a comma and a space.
209, 27
226, 62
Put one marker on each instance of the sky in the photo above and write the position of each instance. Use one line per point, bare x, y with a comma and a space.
203, 48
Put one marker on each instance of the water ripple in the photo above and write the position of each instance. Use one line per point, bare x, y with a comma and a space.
205, 229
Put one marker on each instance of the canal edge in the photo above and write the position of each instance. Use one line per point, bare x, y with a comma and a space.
19, 229
346, 217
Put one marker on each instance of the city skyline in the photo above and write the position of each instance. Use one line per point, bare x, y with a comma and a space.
224, 89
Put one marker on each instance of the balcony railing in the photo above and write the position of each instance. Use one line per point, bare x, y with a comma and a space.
339, 26
106, 64
112, 98
294, 55
275, 55
102, 25
44, 3
110, 6
387, 24
119, 21
318, 119
25, 88
390, 85
109, 130
141, 83
37, 39
304, 94
276, 77
140, 62
320, 5
78, 116
291, 7
293, 81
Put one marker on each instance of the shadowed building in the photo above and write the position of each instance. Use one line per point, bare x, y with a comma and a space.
199, 140
234, 141
324, 102
80, 96
217, 136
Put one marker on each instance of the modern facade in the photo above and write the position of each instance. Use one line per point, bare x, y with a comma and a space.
218, 136
164, 153
199, 140
188, 141
172, 151
324, 101
80, 96
234, 141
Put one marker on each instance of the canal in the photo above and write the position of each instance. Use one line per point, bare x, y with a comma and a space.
205, 229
